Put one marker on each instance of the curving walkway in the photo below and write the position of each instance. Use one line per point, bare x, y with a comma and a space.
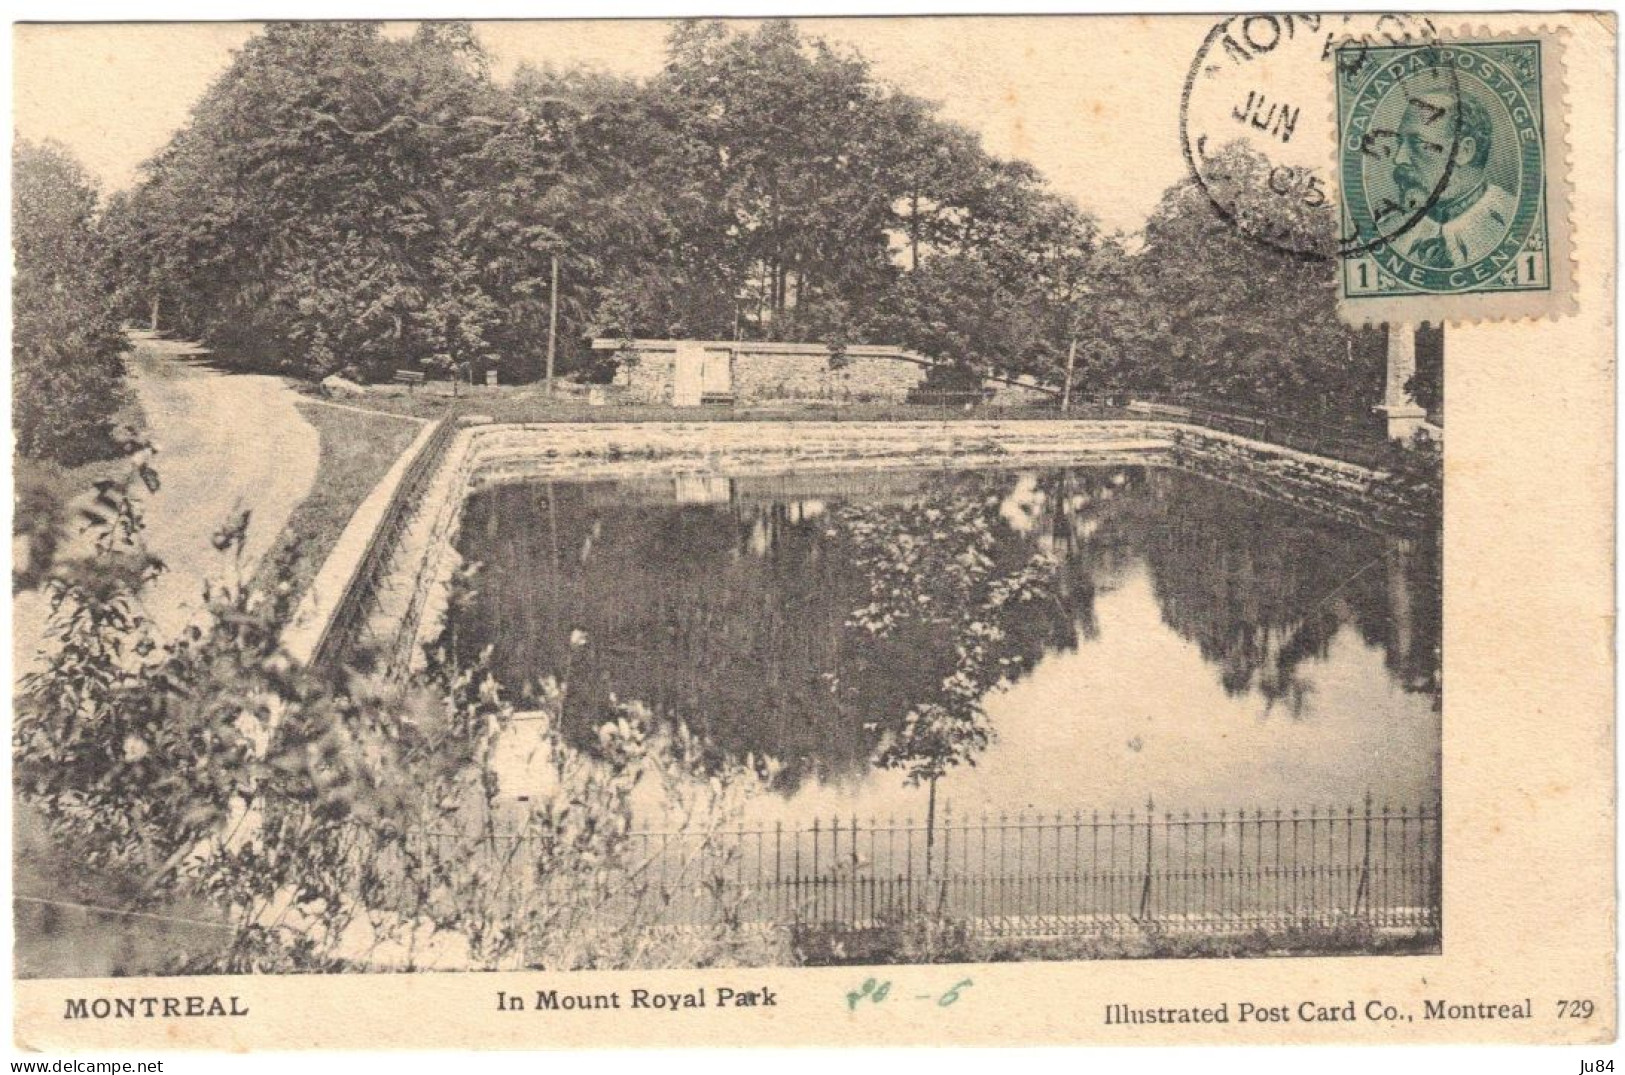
226, 442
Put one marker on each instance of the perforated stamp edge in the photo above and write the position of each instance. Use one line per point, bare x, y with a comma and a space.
1559, 299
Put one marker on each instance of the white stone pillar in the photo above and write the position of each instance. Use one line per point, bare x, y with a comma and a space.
1403, 414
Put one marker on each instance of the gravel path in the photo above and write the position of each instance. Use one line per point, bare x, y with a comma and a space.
226, 442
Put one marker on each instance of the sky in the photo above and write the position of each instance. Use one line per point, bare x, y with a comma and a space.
1092, 102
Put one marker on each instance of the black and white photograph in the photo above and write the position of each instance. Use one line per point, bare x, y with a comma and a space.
501, 508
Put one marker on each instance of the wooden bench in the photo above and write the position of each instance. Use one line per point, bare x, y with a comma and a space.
410, 378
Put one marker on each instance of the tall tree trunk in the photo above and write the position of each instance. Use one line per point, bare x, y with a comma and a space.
1066, 389
552, 323
914, 231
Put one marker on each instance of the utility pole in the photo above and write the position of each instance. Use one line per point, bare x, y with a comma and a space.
1066, 389
552, 324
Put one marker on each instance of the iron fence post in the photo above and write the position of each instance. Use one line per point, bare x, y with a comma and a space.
1145, 890
1362, 894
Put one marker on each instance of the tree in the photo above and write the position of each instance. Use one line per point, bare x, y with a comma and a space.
585, 174
784, 129
307, 213
346, 200
67, 347
942, 585
1215, 313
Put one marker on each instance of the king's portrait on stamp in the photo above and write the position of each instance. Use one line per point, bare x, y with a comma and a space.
1443, 162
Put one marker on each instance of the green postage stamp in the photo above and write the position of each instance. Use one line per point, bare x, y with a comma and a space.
1452, 181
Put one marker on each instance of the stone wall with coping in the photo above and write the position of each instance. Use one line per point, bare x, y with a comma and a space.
340, 570
645, 376
862, 379
491, 454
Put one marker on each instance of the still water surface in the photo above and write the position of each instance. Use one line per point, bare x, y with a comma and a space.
1168, 636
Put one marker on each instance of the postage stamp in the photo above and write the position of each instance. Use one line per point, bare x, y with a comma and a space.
1448, 167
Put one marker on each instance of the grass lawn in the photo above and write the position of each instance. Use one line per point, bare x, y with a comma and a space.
529, 403
356, 451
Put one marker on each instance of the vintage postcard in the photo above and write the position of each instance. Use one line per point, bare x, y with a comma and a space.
820, 531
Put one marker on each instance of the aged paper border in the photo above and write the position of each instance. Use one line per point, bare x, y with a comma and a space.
1528, 775
1561, 298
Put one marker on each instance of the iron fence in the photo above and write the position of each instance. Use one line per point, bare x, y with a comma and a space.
1054, 874
1364, 445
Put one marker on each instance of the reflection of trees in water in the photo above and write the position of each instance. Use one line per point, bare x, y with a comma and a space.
955, 596
1261, 586
739, 616
1068, 513
733, 617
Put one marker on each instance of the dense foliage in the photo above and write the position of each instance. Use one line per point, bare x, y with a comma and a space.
1202, 311
210, 769
345, 199
67, 366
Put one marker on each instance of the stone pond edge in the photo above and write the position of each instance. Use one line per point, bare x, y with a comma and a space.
483, 453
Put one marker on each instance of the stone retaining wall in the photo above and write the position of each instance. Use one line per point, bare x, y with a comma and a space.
779, 375
340, 572
861, 380
494, 454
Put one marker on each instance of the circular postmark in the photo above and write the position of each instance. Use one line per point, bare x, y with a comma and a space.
1441, 158
1254, 123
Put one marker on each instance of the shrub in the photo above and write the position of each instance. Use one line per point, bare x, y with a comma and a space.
67, 348
343, 822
